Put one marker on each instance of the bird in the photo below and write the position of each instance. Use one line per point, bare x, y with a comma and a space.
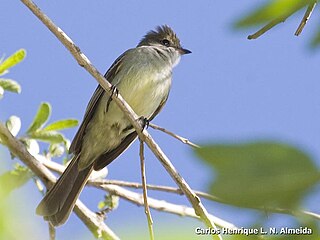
142, 75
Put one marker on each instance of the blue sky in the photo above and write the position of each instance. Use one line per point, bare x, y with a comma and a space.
228, 89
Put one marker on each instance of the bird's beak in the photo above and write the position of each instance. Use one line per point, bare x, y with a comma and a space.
184, 51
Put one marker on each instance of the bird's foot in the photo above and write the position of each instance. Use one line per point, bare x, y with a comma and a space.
114, 91
144, 122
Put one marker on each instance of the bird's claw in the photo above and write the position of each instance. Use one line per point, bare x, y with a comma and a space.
114, 91
144, 122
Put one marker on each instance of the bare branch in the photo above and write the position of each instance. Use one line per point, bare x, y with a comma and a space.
267, 27
89, 218
118, 99
181, 139
100, 183
296, 213
305, 18
163, 206
144, 187
136, 185
107, 185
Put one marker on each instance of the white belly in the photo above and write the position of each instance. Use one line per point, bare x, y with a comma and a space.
145, 94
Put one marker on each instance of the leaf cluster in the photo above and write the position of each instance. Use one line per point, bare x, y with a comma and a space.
38, 129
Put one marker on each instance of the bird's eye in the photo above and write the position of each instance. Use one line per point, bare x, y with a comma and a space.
165, 42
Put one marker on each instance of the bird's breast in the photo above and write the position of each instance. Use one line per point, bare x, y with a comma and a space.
146, 89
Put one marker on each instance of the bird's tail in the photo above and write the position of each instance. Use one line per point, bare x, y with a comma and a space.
59, 201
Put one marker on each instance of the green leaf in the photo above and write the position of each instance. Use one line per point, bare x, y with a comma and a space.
61, 124
48, 136
10, 85
41, 117
14, 59
14, 179
13, 124
271, 10
259, 174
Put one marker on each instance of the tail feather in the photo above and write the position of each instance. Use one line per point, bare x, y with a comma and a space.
59, 201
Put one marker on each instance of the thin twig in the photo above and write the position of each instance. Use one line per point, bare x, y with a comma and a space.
110, 186
191, 196
305, 18
163, 206
56, 167
52, 232
144, 187
127, 110
267, 27
296, 213
19, 150
182, 139
168, 189
100, 183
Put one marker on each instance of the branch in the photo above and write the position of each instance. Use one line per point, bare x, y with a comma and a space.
109, 185
163, 206
20, 151
89, 218
118, 99
94, 222
267, 27
101, 183
144, 187
305, 18
296, 213
181, 139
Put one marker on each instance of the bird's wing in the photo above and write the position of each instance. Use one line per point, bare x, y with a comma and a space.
107, 157
93, 103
